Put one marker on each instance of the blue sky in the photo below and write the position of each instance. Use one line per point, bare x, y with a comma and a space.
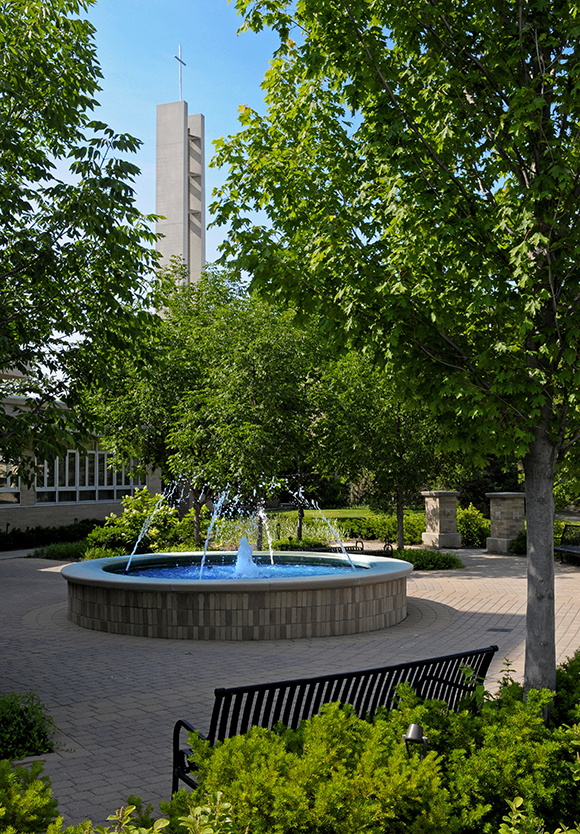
136, 41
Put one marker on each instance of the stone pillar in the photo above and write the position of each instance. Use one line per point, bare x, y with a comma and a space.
441, 519
507, 514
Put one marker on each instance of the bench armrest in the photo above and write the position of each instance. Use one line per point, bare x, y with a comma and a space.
181, 764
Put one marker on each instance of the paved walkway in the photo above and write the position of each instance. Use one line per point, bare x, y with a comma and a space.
115, 699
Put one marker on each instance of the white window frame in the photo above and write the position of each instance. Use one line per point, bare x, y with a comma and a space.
84, 478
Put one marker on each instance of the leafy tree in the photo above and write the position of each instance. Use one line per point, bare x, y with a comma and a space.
364, 428
224, 400
249, 421
74, 251
133, 407
419, 167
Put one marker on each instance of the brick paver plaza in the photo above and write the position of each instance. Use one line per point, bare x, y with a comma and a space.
115, 699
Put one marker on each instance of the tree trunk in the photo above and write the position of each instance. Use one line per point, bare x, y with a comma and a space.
260, 533
400, 527
300, 518
539, 468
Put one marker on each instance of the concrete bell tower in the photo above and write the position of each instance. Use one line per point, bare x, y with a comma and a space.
180, 186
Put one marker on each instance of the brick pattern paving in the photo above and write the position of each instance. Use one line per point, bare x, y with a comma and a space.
115, 698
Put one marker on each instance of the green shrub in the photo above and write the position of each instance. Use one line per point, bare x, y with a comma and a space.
165, 532
26, 803
63, 550
520, 544
566, 708
124, 531
104, 552
340, 774
429, 559
228, 531
25, 727
473, 527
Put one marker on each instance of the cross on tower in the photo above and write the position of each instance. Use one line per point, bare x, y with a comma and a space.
178, 58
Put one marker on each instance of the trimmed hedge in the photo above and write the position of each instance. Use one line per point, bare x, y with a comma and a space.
17, 539
429, 559
383, 527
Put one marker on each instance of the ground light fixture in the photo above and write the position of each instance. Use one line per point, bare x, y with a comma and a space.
414, 735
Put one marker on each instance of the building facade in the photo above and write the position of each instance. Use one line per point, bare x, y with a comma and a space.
68, 489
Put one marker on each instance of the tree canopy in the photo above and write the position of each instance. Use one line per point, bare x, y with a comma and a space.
75, 253
239, 394
419, 167
225, 401
365, 430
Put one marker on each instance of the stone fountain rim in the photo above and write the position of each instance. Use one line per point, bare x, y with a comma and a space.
93, 572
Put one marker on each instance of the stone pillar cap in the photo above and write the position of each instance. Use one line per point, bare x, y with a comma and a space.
440, 492
504, 494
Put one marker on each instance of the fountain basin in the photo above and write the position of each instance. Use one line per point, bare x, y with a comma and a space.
103, 598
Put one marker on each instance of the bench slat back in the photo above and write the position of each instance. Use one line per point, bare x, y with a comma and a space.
238, 709
571, 534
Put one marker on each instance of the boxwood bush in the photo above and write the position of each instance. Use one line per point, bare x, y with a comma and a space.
473, 526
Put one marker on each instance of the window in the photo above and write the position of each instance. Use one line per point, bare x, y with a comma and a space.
83, 478
9, 484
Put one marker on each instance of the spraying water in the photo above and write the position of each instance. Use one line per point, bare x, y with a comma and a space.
334, 533
216, 511
147, 523
245, 567
264, 518
300, 497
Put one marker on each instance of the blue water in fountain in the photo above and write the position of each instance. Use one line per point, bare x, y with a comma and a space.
243, 568
226, 572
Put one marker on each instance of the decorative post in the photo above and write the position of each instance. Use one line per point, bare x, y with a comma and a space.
441, 519
507, 514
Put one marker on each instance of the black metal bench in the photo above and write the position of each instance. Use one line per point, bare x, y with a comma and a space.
569, 546
238, 709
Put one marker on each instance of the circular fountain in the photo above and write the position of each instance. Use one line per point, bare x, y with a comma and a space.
372, 596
